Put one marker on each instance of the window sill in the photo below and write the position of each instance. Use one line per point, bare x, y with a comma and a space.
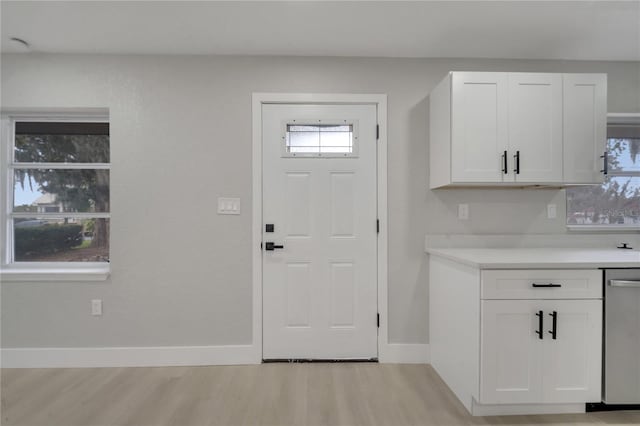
20, 273
602, 228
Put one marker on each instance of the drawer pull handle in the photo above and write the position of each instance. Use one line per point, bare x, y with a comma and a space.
554, 330
624, 283
539, 332
550, 285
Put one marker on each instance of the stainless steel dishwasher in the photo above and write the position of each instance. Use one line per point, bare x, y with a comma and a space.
622, 337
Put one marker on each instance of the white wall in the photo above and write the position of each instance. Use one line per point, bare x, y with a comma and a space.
181, 137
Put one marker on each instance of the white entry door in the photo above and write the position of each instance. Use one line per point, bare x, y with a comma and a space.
319, 225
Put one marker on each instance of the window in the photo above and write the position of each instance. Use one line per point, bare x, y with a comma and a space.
58, 175
615, 203
335, 139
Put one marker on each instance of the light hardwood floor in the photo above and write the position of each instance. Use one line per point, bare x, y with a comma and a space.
268, 394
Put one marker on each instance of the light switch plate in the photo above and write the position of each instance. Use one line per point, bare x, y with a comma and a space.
228, 205
552, 211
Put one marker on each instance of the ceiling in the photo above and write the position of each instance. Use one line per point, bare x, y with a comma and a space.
582, 30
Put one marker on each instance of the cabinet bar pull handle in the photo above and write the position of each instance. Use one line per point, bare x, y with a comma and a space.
516, 158
605, 170
505, 167
539, 332
550, 285
624, 283
554, 328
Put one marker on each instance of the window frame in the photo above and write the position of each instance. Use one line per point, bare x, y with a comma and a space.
11, 270
612, 118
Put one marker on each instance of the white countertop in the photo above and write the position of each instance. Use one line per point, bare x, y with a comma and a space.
551, 258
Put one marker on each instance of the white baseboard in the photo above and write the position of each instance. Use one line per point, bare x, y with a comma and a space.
160, 356
128, 356
405, 353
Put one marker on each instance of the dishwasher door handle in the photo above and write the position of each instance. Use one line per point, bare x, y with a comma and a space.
624, 283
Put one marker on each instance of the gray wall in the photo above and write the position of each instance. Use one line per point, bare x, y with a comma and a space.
181, 137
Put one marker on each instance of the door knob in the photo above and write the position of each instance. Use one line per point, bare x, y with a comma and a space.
270, 246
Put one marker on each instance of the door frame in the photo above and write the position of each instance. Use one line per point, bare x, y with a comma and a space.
380, 101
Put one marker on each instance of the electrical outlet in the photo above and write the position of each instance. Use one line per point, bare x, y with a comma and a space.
552, 211
96, 307
463, 211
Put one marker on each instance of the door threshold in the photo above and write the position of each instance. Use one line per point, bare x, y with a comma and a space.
313, 360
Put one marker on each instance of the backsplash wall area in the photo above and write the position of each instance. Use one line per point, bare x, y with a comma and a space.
188, 119
567, 240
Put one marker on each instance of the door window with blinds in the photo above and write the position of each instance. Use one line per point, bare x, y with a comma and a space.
320, 138
615, 203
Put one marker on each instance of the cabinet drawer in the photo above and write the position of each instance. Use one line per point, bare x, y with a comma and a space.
542, 284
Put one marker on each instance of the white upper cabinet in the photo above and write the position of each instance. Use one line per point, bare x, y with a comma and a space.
497, 129
535, 127
478, 131
585, 124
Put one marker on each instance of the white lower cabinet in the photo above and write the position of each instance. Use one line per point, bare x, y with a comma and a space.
540, 351
516, 341
510, 367
572, 363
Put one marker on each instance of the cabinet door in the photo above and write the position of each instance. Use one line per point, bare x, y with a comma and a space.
585, 127
510, 352
572, 362
535, 127
478, 126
